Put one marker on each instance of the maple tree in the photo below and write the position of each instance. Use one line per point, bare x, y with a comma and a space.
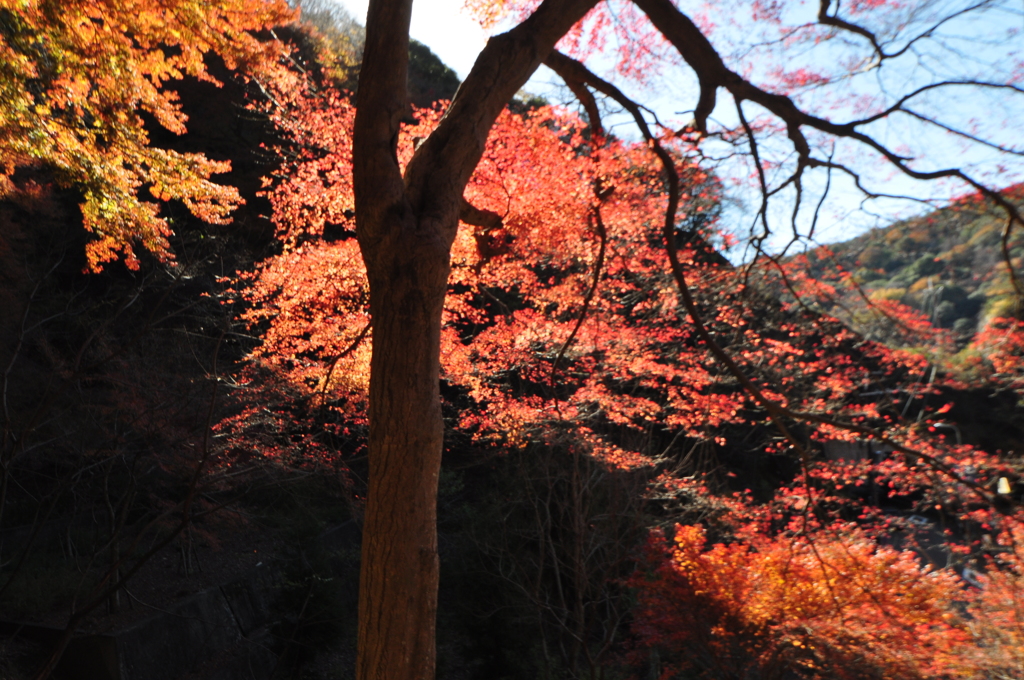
794, 586
1001, 344
561, 329
407, 224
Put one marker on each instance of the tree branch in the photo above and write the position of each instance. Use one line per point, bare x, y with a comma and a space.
381, 103
567, 71
438, 172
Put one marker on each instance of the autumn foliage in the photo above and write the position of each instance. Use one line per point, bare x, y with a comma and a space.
77, 81
826, 602
833, 605
562, 327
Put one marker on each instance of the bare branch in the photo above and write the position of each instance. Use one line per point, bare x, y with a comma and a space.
567, 71
827, 19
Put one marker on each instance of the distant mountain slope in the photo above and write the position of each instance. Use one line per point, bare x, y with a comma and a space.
947, 264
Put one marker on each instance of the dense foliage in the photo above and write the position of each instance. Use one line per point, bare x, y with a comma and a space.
563, 332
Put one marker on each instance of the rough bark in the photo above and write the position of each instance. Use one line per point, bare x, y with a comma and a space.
398, 597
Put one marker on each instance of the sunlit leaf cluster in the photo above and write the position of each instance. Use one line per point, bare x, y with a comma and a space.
78, 82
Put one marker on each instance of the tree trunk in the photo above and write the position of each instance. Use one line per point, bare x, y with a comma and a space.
399, 570
405, 226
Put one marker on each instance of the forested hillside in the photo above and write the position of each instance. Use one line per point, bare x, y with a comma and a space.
655, 463
950, 265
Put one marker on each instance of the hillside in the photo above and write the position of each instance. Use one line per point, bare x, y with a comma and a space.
948, 265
